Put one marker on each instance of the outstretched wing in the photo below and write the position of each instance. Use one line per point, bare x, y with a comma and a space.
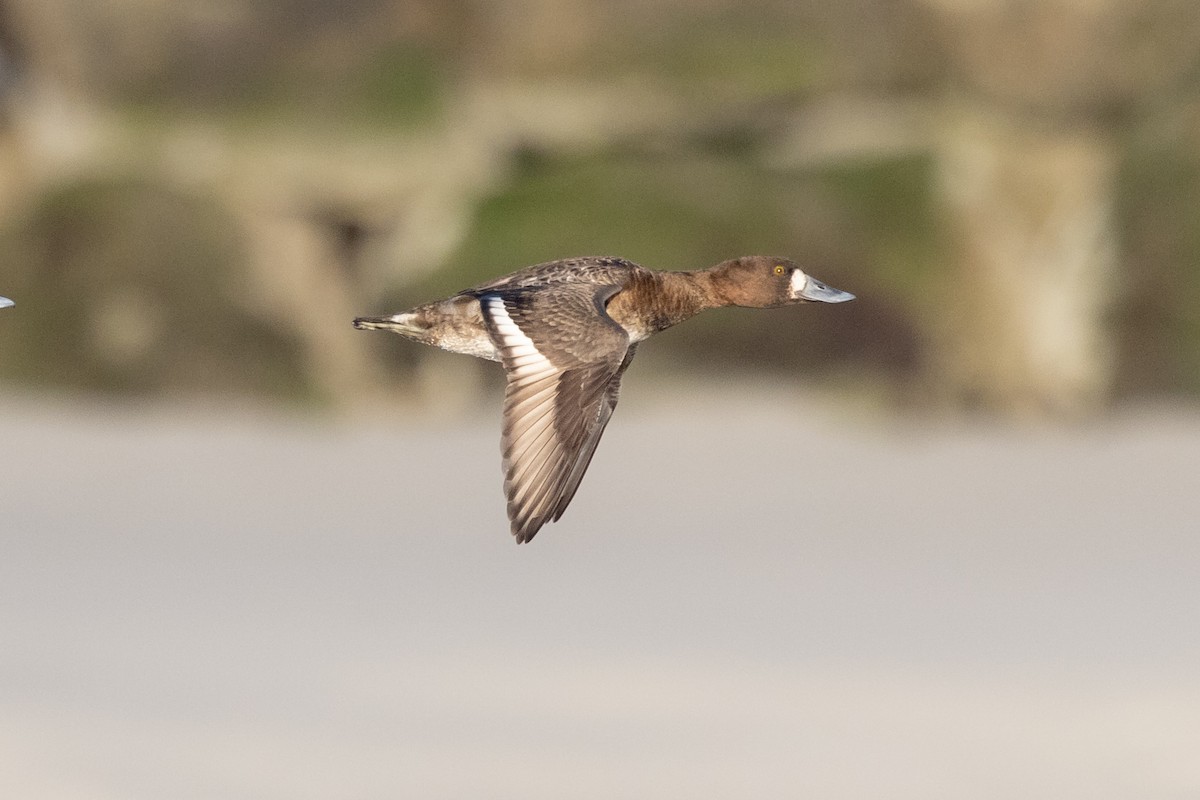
564, 357
607, 405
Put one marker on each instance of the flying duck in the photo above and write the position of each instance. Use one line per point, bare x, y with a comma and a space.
565, 332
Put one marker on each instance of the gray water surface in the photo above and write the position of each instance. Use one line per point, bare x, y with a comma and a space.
751, 598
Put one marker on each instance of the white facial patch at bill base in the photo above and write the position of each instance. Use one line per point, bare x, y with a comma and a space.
525, 359
798, 283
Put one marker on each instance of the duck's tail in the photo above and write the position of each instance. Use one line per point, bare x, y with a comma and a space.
405, 323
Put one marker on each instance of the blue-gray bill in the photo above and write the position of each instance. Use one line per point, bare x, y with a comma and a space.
5, 302
818, 292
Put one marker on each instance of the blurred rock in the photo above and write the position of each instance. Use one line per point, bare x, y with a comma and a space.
126, 287
1028, 152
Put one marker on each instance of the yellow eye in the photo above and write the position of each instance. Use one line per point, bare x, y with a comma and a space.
779, 269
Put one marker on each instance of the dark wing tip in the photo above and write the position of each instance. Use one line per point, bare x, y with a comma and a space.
526, 534
526, 520
524, 525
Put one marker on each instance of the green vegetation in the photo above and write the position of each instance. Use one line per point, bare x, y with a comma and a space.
890, 205
396, 85
720, 53
401, 84
1159, 313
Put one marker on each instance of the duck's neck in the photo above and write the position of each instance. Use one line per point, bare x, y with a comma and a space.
700, 286
654, 301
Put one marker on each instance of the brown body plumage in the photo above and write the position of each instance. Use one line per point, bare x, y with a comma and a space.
566, 332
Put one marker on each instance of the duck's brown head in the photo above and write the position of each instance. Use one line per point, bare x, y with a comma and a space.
767, 282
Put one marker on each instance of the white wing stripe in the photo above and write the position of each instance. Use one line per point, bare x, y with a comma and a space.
533, 448
509, 331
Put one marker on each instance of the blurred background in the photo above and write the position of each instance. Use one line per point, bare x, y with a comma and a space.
935, 542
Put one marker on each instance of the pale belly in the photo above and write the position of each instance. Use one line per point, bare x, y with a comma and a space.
470, 344
457, 325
